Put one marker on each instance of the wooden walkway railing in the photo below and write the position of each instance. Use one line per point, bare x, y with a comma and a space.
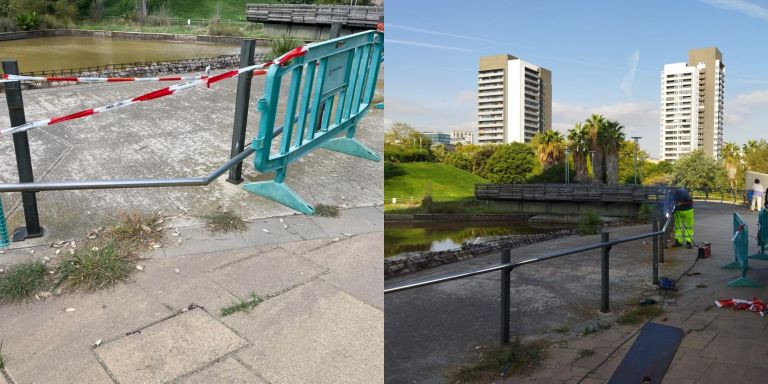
351, 16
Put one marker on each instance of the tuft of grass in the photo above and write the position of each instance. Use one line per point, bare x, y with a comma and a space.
326, 210
95, 268
562, 330
590, 224
514, 359
585, 353
21, 281
225, 221
2, 358
137, 229
217, 29
638, 314
242, 306
282, 44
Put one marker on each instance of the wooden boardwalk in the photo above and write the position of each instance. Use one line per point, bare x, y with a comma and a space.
348, 16
571, 192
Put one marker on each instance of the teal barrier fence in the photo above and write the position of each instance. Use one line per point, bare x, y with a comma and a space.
740, 249
5, 240
331, 89
762, 235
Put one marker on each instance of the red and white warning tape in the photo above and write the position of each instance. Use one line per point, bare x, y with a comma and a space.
258, 69
6, 78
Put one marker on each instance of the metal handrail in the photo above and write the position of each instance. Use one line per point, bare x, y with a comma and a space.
511, 266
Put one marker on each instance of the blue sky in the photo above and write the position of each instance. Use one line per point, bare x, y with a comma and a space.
605, 57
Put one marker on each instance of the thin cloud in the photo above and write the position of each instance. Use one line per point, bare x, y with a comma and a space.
427, 45
745, 7
629, 79
438, 33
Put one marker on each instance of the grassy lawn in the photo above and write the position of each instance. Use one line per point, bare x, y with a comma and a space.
443, 182
230, 9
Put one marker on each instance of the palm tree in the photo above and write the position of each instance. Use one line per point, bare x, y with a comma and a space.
594, 124
609, 138
580, 142
731, 154
550, 147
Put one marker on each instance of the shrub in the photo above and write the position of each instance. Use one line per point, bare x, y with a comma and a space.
52, 22
510, 163
28, 21
282, 44
428, 204
590, 224
217, 29
8, 25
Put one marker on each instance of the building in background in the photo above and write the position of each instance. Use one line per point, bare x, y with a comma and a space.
461, 137
514, 100
439, 138
692, 105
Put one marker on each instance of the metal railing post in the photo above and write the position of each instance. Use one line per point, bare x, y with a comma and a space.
506, 258
23, 161
247, 49
604, 297
655, 250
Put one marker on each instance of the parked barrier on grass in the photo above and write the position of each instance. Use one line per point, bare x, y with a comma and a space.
741, 250
331, 88
762, 235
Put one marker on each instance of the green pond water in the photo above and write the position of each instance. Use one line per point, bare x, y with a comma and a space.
400, 238
46, 53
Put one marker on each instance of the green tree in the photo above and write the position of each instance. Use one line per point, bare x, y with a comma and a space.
580, 142
697, 170
594, 124
510, 163
550, 148
731, 155
627, 162
609, 139
458, 160
755, 154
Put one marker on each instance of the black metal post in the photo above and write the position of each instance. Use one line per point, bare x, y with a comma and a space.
663, 243
655, 250
247, 49
506, 258
23, 161
604, 307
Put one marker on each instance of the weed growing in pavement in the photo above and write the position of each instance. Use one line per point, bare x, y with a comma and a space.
96, 267
242, 306
514, 359
326, 210
225, 221
21, 281
638, 314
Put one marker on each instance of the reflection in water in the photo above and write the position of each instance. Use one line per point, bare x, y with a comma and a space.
46, 53
399, 238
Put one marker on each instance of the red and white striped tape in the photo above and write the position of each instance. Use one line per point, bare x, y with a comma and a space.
6, 78
258, 69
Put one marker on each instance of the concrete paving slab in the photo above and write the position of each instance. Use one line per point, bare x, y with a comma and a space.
721, 372
688, 370
169, 349
200, 240
228, 371
36, 334
301, 248
206, 262
305, 227
353, 222
355, 266
324, 336
2, 379
269, 231
266, 274
180, 290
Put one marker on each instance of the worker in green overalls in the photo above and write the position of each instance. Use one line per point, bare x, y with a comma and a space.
680, 204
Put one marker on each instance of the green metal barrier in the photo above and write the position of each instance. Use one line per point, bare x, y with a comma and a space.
740, 248
5, 240
762, 235
331, 86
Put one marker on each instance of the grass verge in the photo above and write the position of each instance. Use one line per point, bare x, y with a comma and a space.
638, 314
326, 210
22, 281
242, 306
515, 359
224, 221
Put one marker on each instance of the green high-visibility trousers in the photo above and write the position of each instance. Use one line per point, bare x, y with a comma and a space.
684, 226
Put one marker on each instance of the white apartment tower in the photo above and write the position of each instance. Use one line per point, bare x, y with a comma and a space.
514, 100
692, 105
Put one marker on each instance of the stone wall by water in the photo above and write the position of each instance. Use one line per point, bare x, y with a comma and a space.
417, 261
5, 36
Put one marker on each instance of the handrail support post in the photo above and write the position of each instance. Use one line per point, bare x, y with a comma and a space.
655, 250
506, 258
604, 297
247, 51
